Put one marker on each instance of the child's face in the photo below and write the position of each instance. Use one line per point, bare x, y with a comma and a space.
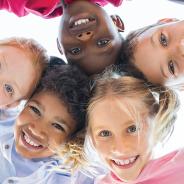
89, 37
159, 52
16, 75
43, 126
122, 141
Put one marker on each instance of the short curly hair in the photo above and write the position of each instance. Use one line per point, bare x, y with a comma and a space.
70, 85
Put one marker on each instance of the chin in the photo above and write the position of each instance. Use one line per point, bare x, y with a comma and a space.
128, 179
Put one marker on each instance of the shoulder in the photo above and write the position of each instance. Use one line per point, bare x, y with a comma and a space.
81, 178
6, 127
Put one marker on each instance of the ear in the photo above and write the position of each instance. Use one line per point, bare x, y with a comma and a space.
59, 46
167, 20
118, 23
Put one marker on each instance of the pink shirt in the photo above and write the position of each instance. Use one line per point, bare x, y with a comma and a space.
168, 169
43, 8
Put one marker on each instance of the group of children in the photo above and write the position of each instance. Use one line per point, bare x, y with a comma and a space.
125, 111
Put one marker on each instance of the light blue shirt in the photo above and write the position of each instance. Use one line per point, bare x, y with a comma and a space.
18, 170
11, 113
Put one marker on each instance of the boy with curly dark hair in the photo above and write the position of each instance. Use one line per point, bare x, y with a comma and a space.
52, 117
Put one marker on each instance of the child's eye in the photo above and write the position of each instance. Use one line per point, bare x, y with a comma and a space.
103, 42
171, 67
75, 51
58, 126
163, 40
9, 89
132, 129
105, 133
35, 110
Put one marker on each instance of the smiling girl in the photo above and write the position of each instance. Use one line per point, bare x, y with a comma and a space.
127, 117
157, 50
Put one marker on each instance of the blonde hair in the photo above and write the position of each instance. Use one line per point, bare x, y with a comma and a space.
163, 109
72, 152
36, 52
161, 102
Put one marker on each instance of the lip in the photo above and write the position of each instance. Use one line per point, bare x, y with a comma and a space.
29, 146
91, 25
126, 166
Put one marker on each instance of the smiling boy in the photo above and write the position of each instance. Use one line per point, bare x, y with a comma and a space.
89, 37
53, 115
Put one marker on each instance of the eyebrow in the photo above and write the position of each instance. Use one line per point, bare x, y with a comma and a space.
37, 103
63, 123
104, 127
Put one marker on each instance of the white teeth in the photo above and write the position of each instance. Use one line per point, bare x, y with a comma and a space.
125, 162
81, 21
29, 141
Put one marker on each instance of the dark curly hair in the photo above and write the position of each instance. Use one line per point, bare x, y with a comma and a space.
70, 85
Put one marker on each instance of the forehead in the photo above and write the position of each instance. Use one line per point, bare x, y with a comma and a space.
16, 62
48, 100
119, 109
170, 24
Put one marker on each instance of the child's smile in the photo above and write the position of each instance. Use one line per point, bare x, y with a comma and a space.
31, 142
120, 136
43, 126
81, 23
125, 163
88, 37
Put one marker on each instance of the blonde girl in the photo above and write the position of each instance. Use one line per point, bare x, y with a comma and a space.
127, 117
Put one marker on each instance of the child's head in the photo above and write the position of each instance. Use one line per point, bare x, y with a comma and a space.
55, 112
158, 50
21, 64
89, 37
126, 118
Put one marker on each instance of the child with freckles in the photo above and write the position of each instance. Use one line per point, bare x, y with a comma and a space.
53, 116
138, 117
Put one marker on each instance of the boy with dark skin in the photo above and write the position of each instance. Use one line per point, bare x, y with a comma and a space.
89, 37
93, 43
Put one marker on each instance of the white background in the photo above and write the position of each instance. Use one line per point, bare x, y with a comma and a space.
135, 14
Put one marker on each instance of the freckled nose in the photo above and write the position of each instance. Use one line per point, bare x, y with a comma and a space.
85, 36
182, 46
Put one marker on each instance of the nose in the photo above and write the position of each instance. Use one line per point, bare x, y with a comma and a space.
120, 146
37, 129
85, 36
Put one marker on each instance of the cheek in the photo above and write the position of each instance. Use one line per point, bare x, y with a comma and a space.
56, 139
146, 144
23, 118
102, 147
